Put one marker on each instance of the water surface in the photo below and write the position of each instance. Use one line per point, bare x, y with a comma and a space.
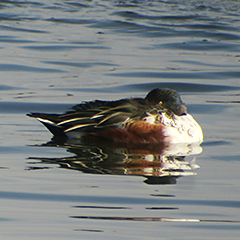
55, 54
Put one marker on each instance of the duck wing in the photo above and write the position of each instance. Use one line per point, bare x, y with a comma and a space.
90, 116
94, 116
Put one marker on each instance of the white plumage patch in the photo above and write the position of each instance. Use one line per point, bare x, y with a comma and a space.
182, 129
46, 121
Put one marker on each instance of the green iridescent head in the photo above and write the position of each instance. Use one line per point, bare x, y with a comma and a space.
167, 98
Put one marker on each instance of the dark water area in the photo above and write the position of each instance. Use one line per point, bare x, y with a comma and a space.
56, 54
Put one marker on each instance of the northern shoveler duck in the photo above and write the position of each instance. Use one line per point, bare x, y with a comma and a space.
160, 117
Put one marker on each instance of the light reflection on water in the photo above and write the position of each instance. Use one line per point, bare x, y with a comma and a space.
159, 164
55, 54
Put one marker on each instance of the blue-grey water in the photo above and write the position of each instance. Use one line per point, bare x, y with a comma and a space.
55, 54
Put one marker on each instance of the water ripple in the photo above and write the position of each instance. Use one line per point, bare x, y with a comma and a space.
15, 29
71, 20
13, 39
23, 68
203, 45
135, 15
61, 47
80, 64
153, 30
116, 200
7, 88
183, 87
24, 107
180, 75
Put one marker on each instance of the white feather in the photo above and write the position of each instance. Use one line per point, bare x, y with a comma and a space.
46, 121
182, 129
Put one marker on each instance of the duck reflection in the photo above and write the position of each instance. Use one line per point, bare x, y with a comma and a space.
157, 163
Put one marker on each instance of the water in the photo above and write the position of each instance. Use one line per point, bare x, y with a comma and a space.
55, 54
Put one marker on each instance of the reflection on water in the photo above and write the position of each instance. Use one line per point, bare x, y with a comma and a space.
155, 219
157, 163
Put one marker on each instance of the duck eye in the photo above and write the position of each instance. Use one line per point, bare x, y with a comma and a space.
160, 103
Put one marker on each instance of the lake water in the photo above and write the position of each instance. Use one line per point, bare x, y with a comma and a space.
55, 54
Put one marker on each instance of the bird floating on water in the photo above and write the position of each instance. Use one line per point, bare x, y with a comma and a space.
160, 117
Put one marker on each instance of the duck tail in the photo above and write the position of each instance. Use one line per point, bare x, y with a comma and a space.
50, 122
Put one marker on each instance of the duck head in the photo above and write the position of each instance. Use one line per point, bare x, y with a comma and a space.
167, 98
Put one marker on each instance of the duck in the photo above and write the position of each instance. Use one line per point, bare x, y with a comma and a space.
160, 117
